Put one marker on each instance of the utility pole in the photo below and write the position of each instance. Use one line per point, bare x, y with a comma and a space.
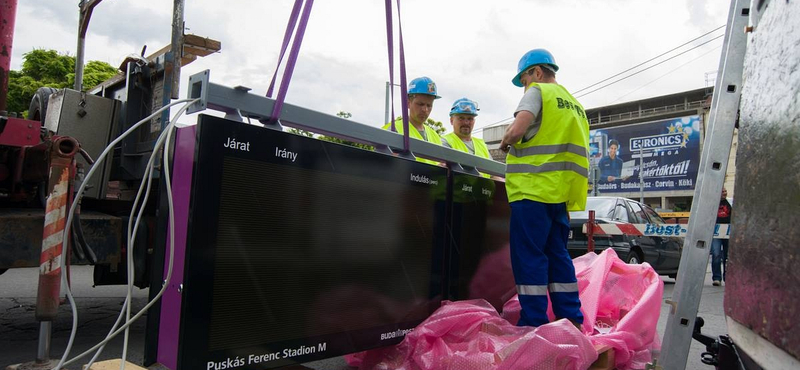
388, 86
641, 175
388, 95
85, 14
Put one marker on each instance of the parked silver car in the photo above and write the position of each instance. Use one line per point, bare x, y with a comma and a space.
663, 253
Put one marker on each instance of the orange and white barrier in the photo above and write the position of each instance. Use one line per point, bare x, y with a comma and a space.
52, 259
721, 231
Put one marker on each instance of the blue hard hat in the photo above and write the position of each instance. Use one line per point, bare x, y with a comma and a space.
464, 106
532, 58
424, 86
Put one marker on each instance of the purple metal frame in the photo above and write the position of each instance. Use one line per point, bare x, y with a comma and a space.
169, 327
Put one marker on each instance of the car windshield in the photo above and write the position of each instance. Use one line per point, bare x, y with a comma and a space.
602, 207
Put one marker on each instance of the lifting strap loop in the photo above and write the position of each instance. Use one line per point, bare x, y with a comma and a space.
286, 37
403, 84
290, 63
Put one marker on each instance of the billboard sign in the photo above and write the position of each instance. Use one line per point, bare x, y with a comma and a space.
670, 150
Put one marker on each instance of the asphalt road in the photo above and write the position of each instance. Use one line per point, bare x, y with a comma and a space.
98, 308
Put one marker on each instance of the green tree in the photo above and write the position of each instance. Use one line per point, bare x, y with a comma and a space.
94, 73
346, 142
48, 66
42, 68
300, 132
20, 91
342, 114
436, 125
345, 115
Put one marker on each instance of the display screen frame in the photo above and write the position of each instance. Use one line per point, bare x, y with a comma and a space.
217, 139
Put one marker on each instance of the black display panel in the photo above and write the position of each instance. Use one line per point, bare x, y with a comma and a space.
479, 255
300, 249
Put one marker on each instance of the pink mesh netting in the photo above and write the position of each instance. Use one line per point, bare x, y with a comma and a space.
620, 303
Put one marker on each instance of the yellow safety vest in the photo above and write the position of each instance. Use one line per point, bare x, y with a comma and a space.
481, 150
553, 166
432, 136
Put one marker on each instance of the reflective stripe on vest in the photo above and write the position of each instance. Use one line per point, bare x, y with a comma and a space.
549, 149
553, 166
547, 167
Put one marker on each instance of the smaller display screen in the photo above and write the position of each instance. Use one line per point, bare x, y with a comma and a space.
479, 254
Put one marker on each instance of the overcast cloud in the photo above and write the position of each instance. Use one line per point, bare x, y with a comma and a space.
470, 48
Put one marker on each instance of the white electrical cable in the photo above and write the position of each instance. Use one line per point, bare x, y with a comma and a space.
169, 271
71, 213
171, 255
131, 237
134, 227
114, 327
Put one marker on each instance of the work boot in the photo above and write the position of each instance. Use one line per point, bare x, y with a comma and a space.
717, 283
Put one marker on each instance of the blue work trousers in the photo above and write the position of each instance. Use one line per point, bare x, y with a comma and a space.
541, 263
719, 258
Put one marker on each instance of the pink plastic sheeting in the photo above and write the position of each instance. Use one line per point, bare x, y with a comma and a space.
620, 303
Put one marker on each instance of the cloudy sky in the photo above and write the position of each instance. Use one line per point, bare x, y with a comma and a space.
469, 47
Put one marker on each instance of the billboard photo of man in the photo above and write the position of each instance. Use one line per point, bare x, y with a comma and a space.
611, 165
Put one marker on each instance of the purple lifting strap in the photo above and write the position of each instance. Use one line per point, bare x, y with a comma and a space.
404, 89
286, 37
287, 73
390, 44
403, 83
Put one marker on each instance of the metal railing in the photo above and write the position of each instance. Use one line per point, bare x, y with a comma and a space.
647, 112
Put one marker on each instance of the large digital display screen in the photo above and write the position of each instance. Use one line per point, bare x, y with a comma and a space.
479, 258
300, 249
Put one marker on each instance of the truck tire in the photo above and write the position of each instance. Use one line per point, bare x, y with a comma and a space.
38, 108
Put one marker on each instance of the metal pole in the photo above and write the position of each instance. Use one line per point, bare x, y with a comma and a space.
81, 44
79, 64
85, 9
7, 18
641, 175
388, 86
176, 47
43, 352
172, 61
590, 232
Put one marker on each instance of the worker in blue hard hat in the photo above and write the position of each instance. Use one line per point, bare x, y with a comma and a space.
421, 94
547, 170
462, 117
